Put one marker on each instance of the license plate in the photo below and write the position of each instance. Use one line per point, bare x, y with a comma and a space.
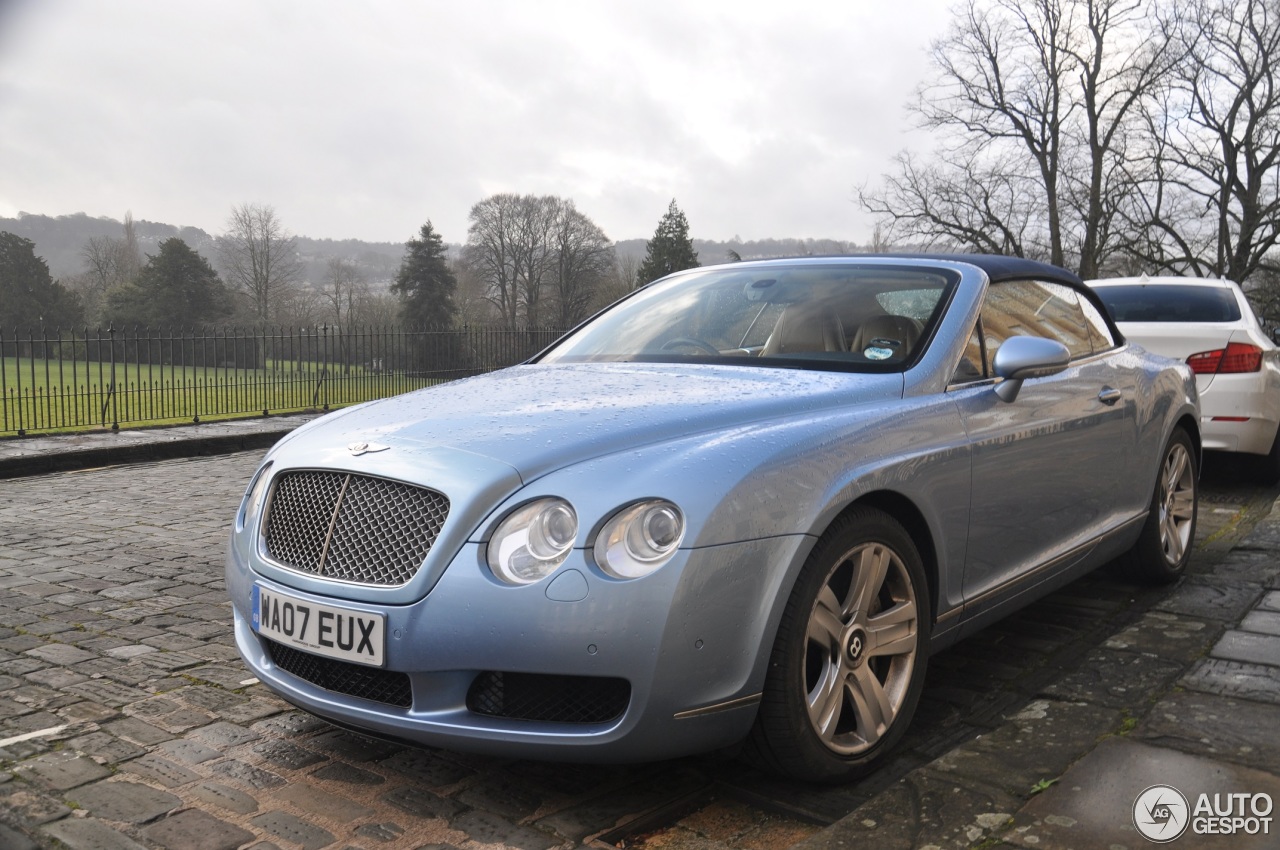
329, 630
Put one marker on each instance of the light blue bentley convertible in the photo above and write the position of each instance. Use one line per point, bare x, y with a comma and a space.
745, 502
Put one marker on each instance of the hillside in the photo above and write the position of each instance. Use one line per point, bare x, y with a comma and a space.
60, 240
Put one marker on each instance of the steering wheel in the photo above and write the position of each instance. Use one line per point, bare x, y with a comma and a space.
690, 342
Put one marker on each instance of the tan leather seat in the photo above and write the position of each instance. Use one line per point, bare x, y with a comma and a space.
806, 328
887, 338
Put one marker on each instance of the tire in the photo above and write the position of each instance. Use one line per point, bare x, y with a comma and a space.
848, 665
1164, 547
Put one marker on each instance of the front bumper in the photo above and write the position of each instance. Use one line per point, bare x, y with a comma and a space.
691, 640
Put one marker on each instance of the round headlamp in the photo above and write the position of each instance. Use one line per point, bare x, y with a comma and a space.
639, 539
535, 539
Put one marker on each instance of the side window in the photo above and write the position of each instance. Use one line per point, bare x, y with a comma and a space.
1099, 334
1035, 308
971, 367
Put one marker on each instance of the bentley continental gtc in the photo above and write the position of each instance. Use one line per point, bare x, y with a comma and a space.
743, 505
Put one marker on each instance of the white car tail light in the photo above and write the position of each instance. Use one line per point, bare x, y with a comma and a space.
1235, 358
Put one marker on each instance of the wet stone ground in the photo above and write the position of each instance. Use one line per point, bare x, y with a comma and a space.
127, 719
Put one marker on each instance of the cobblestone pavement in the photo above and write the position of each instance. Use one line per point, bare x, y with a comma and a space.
1185, 691
127, 719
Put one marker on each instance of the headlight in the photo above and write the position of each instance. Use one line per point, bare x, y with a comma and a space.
255, 497
639, 539
533, 541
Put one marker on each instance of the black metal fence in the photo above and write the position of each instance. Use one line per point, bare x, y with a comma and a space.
53, 380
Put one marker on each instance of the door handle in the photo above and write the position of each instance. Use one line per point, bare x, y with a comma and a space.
1109, 395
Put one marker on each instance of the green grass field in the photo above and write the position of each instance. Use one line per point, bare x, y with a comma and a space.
52, 395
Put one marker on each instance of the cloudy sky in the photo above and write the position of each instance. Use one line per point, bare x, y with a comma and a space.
365, 119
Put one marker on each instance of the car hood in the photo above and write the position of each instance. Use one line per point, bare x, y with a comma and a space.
539, 418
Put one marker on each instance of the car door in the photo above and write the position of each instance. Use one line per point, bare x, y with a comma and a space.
1046, 466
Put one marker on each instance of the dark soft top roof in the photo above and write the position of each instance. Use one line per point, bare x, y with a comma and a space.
997, 267
1000, 268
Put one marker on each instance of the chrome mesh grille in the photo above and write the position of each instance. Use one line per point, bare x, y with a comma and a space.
352, 527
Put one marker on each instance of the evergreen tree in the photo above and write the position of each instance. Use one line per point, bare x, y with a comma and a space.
425, 283
670, 249
176, 288
29, 297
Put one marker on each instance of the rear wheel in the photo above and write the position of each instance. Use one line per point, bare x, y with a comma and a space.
1164, 548
848, 664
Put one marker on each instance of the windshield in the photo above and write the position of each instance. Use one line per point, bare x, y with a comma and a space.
823, 316
1169, 303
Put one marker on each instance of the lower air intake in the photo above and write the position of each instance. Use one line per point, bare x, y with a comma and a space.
343, 677
554, 699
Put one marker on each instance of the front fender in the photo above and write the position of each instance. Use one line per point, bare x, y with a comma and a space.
786, 479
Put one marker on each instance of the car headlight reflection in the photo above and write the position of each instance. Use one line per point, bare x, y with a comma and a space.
533, 541
255, 497
639, 539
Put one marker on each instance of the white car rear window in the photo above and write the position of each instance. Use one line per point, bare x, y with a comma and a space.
1180, 303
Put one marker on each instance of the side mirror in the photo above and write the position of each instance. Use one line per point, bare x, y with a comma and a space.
1023, 357
1275, 335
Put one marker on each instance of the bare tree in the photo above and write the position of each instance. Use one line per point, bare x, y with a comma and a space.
1213, 204
959, 201
1001, 74
380, 309
260, 258
110, 263
618, 282
1122, 53
345, 291
102, 261
535, 222
101, 255
880, 241
1034, 101
583, 257
472, 295
300, 306
491, 253
537, 258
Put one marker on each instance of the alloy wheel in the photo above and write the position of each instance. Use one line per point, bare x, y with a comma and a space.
1177, 503
861, 647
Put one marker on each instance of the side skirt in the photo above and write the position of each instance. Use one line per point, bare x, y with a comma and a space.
998, 603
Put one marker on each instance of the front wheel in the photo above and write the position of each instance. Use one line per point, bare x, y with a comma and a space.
848, 663
1164, 547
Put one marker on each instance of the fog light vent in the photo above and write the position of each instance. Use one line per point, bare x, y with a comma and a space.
554, 699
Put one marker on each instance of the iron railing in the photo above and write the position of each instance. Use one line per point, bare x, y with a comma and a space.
54, 380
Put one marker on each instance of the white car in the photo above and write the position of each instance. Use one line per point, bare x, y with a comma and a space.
1209, 324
